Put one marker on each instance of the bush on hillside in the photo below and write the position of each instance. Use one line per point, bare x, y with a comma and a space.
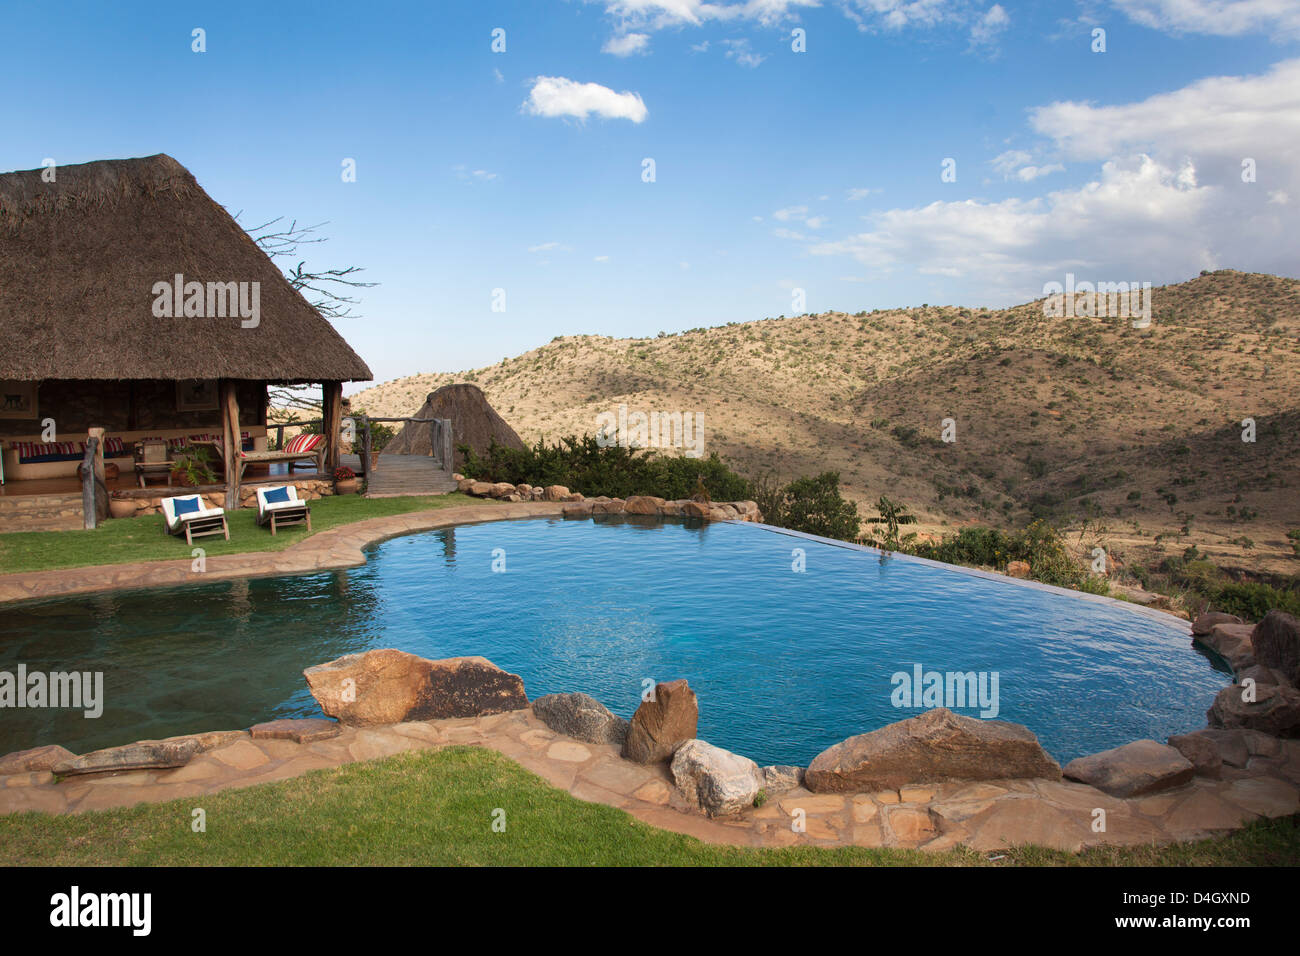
811, 505
585, 466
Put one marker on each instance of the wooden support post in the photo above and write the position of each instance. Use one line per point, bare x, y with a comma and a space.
332, 421
365, 445
448, 448
97, 470
89, 509
230, 444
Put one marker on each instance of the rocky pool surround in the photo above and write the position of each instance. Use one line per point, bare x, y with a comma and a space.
933, 781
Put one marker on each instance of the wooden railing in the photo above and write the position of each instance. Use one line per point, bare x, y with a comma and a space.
440, 437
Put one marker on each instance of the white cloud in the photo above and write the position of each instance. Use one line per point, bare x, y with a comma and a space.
499, 75
657, 14
549, 247
600, 258
797, 214
626, 44
1016, 164
1216, 17
473, 175
1167, 198
560, 96
861, 192
740, 51
790, 212
986, 30
700, 47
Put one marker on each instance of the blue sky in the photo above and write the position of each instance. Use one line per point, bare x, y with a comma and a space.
775, 170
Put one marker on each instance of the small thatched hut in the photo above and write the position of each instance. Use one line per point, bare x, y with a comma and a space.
474, 422
133, 302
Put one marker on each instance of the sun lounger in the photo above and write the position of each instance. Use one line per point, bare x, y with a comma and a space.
186, 514
279, 505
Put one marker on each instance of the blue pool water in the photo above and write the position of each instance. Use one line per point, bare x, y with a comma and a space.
785, 663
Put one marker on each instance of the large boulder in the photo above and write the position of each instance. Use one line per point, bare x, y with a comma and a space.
643, 505
715, 780
931, 748
555, 493
389, 686
582, 717
1133, 770
781, 777
1201, 751
1277, 644
1210, 619
1232, 642
661, 725
1274, 711
142, 755
35, 759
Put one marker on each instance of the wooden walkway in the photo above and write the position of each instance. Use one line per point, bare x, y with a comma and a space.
404, 475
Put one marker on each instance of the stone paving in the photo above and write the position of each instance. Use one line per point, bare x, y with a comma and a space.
339, 547
983, 816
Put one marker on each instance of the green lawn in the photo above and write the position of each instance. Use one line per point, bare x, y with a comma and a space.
436, 807
142, 539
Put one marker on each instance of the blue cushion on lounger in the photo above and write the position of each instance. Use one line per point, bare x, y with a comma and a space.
184, 506
276, 495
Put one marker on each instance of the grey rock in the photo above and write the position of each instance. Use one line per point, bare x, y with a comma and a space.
582, 717
715, 780
142, 755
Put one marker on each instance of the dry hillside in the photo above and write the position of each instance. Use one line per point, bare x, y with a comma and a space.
1130, 437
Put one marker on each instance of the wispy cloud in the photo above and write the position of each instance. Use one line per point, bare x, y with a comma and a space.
626, 44
1216, 17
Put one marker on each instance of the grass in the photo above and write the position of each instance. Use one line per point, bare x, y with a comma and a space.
437, 808
123, 540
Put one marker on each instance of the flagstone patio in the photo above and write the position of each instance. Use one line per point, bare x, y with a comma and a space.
987, 815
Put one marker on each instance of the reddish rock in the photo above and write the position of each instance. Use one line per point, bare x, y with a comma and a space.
1018, 569
661, 725
1133, 770
1276, 640
694, 509
1275, 709
612, 506
576, 509
34, 760
1206, 622
1232, 642
555, 493
390, 686
934, 747
1201, 752
643, 505
480, 489
304, 731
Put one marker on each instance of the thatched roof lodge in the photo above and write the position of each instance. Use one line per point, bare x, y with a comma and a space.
133, 302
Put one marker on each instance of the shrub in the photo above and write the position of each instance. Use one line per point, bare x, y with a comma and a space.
585, 466
811, 505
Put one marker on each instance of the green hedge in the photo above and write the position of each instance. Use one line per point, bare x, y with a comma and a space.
583, 465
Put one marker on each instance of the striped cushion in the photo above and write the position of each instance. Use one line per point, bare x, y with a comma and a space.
303, 444
114, 448
30, 450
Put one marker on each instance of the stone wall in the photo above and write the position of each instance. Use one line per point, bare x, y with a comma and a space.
309, 489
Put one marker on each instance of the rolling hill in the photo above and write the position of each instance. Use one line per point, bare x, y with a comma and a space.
1130, 437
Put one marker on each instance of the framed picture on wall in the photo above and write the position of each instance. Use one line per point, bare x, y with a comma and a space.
196, 395
18, 399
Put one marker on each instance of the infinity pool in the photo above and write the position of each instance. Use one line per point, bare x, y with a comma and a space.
785, 662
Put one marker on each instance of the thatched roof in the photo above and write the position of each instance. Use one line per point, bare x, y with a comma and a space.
473, 422
79, 258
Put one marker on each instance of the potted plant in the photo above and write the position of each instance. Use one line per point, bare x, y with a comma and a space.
120, 506
345, 481
192, 467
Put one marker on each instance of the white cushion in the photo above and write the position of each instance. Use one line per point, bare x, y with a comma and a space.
173, 522
264, 506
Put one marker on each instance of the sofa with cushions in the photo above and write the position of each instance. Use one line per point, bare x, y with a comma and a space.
26, 458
